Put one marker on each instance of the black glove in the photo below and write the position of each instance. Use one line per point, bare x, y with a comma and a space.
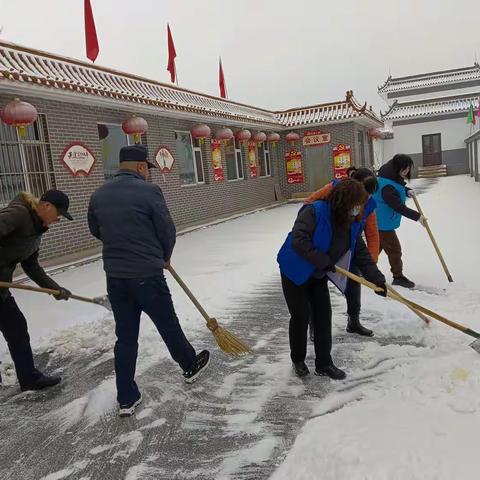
331, 267
382, 285
63, 294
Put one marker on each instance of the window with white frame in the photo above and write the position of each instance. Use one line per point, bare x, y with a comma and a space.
25, 163
234, 160
190, 159
264, 160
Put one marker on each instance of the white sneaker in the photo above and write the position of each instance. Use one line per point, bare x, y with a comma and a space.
129, 409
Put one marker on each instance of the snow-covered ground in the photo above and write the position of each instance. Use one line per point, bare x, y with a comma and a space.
420, 417
408, 409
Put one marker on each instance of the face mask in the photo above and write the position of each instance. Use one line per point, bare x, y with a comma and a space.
355, 211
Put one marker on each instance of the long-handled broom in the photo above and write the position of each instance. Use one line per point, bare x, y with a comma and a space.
226, 340
415, 306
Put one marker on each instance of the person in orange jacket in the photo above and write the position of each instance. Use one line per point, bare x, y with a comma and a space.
353, 291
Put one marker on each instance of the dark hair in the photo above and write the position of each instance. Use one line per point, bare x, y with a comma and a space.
400, 162
346, 195
368, 178
351, 170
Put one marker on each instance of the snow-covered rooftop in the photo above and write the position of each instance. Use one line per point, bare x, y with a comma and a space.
446, 77
433, 107
61, 74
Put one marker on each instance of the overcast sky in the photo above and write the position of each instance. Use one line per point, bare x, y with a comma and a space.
276, 54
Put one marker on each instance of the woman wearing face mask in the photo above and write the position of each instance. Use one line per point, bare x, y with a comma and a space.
369, 226
391, 197
325, 233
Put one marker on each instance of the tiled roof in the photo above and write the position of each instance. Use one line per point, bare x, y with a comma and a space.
62, 74
434, 107
431, 79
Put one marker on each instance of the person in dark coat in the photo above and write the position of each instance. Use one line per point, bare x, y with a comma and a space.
130, 217
22, 224
325, 234
391, 197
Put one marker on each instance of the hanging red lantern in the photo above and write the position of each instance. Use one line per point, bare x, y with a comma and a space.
224, 135
259, 137
292, 137
243, 136
200, 131
19, 114
273, 138
135, 126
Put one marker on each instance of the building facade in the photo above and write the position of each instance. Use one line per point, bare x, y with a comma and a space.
85, 105
428, 116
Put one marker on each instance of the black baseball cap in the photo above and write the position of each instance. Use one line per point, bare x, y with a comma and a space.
59, 200
135, 153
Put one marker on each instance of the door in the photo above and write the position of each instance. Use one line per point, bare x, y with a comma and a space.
432, 150
318, 166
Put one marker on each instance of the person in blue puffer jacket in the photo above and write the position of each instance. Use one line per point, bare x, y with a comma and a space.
391, 197
325, 233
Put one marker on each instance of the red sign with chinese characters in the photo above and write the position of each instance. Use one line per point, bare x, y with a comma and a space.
218, 174
252, 158
294, 167
342, 160
312, 138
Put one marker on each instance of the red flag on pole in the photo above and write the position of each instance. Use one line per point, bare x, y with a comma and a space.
171, 56
221, 81
91, 41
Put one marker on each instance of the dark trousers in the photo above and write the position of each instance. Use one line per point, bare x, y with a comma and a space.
13, 326
391, 244
129, 298
353, 294
312, 297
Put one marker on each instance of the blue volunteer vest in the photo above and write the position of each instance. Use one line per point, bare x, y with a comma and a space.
387, 218
295, 267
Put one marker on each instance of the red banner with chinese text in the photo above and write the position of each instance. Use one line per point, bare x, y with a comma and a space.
342, 160
252, 158
216, 147
294, 167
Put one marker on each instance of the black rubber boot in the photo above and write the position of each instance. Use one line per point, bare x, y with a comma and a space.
403, 281
354, 326
300, 369
331, 371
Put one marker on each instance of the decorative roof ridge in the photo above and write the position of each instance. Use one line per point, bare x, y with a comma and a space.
436, 100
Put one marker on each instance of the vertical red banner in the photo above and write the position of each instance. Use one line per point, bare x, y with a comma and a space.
294, 167
216, 147
342, 160
252, 158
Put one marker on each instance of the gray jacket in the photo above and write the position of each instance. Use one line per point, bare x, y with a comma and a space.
130, 217
21, 230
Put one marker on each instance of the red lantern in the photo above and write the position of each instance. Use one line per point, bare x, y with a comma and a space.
243, 136
259, 137
292, 137
135, 126
19, 114
273, 138
200, 131
224, 134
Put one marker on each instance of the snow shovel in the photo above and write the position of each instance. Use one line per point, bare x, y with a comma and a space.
102, 301
415, 306
432, 238
416, 312
228, 342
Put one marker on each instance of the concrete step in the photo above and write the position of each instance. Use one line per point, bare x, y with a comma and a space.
432, 171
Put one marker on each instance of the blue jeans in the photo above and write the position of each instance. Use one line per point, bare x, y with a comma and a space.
129, 298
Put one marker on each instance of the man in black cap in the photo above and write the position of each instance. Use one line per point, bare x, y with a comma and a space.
130, 217
22, 224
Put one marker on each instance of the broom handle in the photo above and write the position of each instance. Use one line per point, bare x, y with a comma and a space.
190, 295
409, 303
432, 238
416, 312
43, 290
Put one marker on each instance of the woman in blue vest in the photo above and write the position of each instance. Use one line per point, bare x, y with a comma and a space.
325, 233
391, 197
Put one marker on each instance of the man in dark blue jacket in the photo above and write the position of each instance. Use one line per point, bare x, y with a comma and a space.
130, 217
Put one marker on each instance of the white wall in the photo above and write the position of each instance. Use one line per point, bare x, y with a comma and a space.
408, 138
